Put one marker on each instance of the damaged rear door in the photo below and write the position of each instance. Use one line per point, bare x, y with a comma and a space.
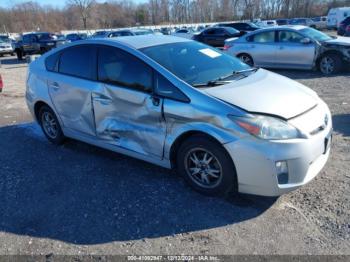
126, 113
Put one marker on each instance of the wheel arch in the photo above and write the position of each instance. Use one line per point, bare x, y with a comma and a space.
328, 52
37, 106
182, 138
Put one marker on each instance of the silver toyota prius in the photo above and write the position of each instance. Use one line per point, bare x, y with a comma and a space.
226, 127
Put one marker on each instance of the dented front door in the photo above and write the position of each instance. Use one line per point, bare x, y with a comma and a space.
129, 119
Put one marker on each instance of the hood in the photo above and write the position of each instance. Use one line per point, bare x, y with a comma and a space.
340, 40
268, 93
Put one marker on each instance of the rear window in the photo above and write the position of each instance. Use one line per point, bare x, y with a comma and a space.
78, 61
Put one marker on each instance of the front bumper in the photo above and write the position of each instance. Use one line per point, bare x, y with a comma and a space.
255, 162
6, 51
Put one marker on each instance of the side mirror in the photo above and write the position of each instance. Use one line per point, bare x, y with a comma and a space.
305, 41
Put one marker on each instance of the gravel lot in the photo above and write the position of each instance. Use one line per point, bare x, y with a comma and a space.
79, 199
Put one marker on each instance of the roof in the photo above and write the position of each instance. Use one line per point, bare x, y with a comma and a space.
142, 41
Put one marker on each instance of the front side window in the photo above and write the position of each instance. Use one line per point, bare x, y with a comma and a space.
78, 61
264, 37
119, 68
289, 37
195, 62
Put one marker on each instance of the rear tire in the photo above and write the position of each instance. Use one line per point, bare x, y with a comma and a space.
330, 64
50, 125
206, 166
247, 59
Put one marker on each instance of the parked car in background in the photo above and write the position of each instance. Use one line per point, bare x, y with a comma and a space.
282, 21
37, 43
224, 126
100, 33
266, 23
295, 47
123, 32
216, 36
76, 37
320, 22
302, 21
184, 33
336, 16
241, 26
344, 27
6, 48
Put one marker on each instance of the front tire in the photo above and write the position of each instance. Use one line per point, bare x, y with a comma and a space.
330, 64
50, 125
206, 166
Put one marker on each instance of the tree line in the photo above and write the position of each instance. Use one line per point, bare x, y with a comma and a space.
89, 14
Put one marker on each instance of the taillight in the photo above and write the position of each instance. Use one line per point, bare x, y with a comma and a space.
1, 84
226, 46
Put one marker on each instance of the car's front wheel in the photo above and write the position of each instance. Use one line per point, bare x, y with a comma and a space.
206, 166
50, 125
330, 64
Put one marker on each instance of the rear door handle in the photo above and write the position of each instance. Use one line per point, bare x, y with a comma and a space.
281, 47
55, 85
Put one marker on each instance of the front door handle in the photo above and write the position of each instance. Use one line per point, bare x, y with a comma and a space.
281, 47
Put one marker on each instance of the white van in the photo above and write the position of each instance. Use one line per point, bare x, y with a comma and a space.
336, 15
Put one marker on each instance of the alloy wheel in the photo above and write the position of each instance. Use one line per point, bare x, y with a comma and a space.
327, 65
49, 124
246, 59
203, 168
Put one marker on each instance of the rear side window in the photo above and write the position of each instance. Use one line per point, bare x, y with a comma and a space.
51, 62
265, 37
78, 61
120, 68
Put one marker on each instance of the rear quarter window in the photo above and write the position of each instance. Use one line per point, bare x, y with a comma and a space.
51, 62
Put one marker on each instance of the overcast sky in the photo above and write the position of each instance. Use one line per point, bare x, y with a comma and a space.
56, 3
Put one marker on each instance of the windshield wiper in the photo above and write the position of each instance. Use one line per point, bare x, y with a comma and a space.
211, 83
221, 80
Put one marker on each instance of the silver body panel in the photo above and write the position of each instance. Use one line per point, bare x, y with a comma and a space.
276, 54
127, 122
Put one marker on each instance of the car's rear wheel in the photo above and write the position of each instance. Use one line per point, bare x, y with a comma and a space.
50, 125
206, 166
247, 59
330, 64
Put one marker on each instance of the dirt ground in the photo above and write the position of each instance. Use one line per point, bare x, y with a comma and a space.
79, 199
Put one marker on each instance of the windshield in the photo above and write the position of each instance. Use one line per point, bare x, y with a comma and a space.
315, 34
194, 62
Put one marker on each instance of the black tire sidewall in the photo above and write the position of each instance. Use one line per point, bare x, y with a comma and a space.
228, 183
59, 139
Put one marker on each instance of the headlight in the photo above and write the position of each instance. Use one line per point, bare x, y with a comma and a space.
266, 127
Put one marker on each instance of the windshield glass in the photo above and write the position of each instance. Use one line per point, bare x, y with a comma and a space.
315, 34
194, 62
